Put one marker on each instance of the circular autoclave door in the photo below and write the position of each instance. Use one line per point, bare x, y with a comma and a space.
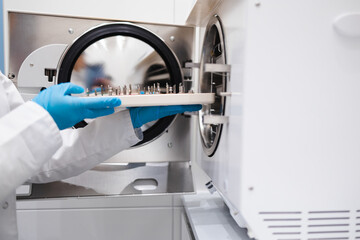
213, 52
122, 55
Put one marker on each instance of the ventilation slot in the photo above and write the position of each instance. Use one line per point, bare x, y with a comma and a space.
357, 225
312, 225
283, 225
328, 225
327, 238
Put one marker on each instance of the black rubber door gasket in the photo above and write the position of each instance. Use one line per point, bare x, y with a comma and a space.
130, 30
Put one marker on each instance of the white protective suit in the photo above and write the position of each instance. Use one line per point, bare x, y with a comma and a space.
32, 147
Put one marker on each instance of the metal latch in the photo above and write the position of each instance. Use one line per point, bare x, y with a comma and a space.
215, 119
51, 74
210, 67
215, 67
229, 94
192, 65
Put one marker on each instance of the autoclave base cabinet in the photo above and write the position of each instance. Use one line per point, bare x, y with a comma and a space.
152, 217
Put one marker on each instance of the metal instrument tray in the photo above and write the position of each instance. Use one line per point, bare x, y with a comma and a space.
142, 100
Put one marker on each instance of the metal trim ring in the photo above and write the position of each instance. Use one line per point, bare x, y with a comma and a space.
215, 21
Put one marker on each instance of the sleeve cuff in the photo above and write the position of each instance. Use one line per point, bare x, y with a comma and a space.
139, 134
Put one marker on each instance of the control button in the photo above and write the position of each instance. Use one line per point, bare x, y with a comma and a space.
5, 205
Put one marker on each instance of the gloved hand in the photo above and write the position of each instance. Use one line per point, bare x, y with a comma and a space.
67, 110
142, 115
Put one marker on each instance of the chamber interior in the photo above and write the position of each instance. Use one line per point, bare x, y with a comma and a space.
120, 62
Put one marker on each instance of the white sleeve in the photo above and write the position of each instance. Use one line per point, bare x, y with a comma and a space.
86, 147
29, 137
13, 96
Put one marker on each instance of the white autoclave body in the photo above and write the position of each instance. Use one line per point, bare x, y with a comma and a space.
288, 156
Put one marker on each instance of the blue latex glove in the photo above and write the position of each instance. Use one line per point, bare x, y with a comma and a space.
67, 110
142, 115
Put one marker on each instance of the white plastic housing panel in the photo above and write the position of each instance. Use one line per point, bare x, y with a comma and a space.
288, 160
31, 72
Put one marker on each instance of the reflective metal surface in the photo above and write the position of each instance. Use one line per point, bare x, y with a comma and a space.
116, 61
213, 53
115, 179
